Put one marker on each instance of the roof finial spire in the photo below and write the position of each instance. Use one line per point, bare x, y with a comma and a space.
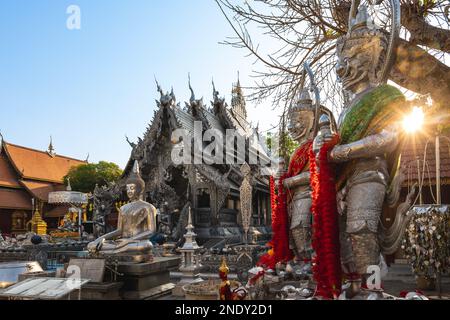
238, 100
214, 87
51, 149
215, 92
158, 87
190, 88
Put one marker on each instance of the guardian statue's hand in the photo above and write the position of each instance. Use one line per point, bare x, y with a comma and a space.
321, 140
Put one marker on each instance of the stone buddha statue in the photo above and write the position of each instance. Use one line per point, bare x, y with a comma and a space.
136, 224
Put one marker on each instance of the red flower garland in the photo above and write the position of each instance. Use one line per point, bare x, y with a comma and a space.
273, 197
268, 259
300, 159
325, 239
280, 240
280, 251
256, 277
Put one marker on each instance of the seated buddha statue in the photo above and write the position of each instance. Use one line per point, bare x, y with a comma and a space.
136, 224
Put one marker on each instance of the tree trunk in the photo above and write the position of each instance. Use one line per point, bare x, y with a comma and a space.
423, 33
418, 71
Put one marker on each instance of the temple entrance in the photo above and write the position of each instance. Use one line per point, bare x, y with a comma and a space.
203, 198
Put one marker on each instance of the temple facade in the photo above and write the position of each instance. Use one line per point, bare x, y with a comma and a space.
27, 176
211, 190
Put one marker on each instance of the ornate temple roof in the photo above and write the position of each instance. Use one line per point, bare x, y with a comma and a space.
40, 190
171, 116
184, 119
8, 176
39, 165
238, 102
27, 173
14, 199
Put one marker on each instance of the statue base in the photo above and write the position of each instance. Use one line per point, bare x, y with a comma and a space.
138, 258
127, 257
100, 291
140, 278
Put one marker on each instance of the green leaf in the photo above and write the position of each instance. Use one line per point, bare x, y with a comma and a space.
84, 178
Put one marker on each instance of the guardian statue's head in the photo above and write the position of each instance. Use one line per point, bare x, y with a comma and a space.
135, 184
361, 54
301, 117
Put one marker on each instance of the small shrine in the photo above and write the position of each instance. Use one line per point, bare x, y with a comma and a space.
190, 260
38, 225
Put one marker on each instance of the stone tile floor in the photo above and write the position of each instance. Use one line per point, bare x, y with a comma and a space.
400, 278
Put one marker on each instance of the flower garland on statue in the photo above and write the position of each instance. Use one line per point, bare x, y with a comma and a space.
268, 259
256, 277
280, 251
325, 238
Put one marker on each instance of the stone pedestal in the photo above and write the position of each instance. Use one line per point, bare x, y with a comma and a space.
130, 258
147, 280
101, 291
167, 249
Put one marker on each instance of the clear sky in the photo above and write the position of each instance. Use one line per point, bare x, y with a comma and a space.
88, 88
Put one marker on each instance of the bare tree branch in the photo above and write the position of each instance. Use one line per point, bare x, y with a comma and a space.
422, 32
306, 30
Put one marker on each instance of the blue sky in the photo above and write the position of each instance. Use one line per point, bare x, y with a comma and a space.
88, 88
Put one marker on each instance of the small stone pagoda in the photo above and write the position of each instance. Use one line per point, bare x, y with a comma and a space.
190, 259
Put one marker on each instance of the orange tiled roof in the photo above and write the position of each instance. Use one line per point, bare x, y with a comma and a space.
14, 199
40, 189
415, 147
8, 177
39, 165
56, 212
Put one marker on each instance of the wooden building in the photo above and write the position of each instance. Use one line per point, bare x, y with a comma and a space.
419, 158
418, 162
27, 174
